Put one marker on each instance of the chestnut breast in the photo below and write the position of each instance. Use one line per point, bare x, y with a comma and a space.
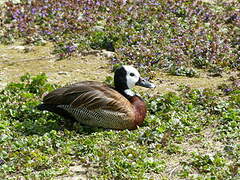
139, 108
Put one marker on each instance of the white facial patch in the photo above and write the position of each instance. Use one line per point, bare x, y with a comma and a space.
132, 76
129, 92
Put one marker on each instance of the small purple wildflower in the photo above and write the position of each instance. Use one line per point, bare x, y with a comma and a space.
228, 90
1, 162
34, 10
71, 49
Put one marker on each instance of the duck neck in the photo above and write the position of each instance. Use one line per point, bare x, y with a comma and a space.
127, 93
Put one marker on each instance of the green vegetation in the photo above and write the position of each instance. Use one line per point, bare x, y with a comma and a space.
191, 134
149, 34
38, 144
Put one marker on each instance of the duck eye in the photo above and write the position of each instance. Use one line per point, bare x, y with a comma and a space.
131, 74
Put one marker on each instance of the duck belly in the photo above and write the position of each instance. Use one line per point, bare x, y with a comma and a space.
100, 117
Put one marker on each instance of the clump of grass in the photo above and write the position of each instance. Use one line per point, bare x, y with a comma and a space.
183, 71
37, 144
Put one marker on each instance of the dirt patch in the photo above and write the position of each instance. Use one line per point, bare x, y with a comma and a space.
17, 60
78, 172
166, 83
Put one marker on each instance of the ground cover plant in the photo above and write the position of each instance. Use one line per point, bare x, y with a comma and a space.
150, 34
191, 134
37, 144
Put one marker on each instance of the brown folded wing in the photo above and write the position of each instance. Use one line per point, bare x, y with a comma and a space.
93, 96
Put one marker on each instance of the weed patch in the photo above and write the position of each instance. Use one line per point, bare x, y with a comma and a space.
37, 144
156, 34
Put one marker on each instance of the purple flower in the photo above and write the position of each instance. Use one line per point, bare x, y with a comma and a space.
34, 10
1, 162
98, 3
71, 48
47, 32
228, 90
130, 8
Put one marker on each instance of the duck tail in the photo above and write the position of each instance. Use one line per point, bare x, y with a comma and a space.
53, 108
49, 107
41, 107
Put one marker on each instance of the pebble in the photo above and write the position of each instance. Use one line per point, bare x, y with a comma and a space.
24, 49
17, 47
108, 54
98, 28
63, 73
91, 52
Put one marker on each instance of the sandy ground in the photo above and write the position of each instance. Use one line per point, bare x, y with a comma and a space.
17, 60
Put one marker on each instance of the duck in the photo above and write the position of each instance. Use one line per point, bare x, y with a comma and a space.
97, 104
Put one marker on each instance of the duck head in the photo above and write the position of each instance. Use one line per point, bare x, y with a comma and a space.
126, 77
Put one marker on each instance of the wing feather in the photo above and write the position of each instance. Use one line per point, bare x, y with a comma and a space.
91, 95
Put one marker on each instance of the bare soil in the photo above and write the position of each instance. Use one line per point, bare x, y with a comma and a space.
17, 60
